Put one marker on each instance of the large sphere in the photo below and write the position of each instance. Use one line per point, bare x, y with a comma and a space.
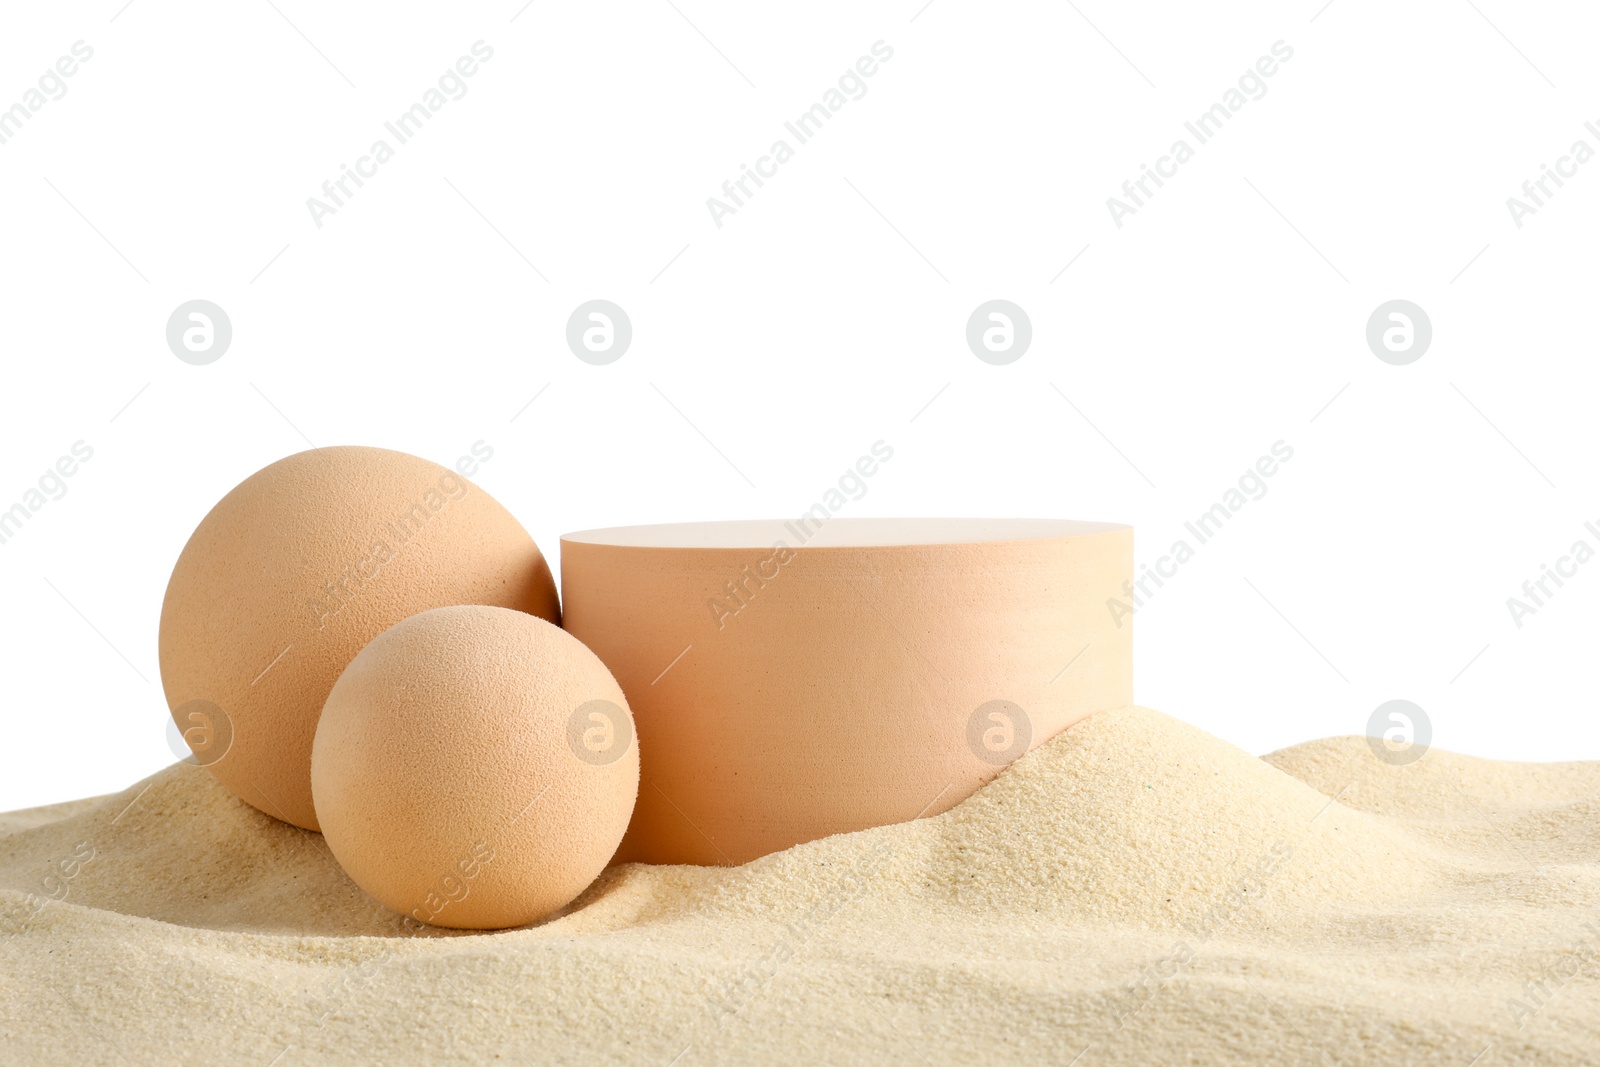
475, 768
293, 572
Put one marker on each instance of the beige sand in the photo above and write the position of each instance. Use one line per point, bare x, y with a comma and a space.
1135, 890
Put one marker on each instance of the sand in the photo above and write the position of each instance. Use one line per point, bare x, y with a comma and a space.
1133, 892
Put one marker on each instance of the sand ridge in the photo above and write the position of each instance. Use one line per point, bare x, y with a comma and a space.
1134, 891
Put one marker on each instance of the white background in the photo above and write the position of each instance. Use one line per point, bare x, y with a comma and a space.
1227, 314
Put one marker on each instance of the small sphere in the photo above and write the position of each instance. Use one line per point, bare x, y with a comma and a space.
293, 572
475, 767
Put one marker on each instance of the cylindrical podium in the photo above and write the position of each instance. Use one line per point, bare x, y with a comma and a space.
792, 680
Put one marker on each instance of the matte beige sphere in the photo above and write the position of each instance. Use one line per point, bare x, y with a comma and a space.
475, 768
293, 572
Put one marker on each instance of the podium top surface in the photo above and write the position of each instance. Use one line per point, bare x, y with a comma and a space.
814, 531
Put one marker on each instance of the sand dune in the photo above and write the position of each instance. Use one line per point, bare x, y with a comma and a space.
1136, 891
